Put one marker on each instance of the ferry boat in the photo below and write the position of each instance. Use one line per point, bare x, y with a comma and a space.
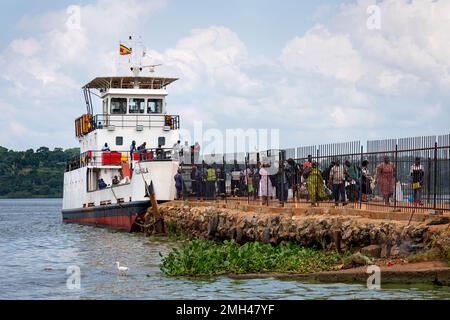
107, 185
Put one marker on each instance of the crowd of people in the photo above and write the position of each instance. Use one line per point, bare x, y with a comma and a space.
186, 153
339, 182
350, 181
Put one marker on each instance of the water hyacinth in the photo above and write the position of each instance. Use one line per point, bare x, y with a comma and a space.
203, 257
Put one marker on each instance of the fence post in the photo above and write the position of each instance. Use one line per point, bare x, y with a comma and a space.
203, 180
316, 196
281, 171
267, 183
395, 175
360, 178
435, 176
448, 180
246, 176
183, 186
224, 178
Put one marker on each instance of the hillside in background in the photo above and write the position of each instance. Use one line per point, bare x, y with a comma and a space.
33, 174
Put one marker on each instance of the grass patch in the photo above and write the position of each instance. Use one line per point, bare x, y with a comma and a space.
204, 258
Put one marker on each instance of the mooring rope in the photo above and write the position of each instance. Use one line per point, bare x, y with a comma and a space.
118, 202
145, 182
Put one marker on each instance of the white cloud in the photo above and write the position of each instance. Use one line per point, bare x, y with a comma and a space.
328, 54
211, 64
212, 56
336, 81
372, 82
345, 117
27, 47
412, 38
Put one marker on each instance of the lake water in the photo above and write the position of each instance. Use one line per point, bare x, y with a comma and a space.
36, 249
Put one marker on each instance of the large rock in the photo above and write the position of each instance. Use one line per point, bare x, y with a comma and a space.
395, 251
357, 259
438, 221
385, 251
373, 251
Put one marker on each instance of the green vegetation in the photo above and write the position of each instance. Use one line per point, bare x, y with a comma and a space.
33, 174
175, 232
204, 257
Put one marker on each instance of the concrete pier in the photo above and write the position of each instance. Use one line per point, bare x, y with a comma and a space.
380, 234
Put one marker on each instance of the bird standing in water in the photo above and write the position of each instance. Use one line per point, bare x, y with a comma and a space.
123, 270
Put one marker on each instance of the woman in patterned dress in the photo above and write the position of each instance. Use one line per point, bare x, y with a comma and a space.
386, 179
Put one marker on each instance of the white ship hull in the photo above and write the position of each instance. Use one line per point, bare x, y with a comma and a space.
117, 206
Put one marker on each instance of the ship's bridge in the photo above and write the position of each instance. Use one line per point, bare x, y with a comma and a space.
133, 104
129, 101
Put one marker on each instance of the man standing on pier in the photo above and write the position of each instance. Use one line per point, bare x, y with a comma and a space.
211, 183
417, 173
337, 180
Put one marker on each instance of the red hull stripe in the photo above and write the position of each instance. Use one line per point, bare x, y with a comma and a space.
124, 223
115, 216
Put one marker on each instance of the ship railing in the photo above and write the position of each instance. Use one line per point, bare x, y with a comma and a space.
138, 121
99, 158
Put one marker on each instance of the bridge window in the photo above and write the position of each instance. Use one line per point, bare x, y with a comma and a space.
137, 105
154, 106
118, 105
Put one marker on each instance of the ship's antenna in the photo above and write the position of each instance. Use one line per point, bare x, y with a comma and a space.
138, 52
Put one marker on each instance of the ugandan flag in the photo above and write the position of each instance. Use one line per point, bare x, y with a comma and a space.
124, 50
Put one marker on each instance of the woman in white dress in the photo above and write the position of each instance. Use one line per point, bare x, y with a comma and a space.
265, 185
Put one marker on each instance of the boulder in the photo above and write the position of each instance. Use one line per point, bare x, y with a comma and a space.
266, 235
385, 251
357, 259
373, 251
212, 226
438, 221
395, 251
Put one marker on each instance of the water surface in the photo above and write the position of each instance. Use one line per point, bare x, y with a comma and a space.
36, 249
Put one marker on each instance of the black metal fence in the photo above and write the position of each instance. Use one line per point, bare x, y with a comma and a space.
406, 174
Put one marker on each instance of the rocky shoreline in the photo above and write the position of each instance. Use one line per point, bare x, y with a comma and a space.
323, 228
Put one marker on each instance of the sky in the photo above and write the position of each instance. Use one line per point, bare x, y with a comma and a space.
319, 71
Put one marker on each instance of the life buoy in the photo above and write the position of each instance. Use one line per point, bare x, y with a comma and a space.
168, 120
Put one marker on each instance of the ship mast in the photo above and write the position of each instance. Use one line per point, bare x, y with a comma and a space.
138, 52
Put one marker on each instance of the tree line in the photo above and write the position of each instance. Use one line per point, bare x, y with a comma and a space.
33, 173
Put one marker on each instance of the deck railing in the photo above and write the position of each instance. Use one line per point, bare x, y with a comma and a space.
98, 158
138, 121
